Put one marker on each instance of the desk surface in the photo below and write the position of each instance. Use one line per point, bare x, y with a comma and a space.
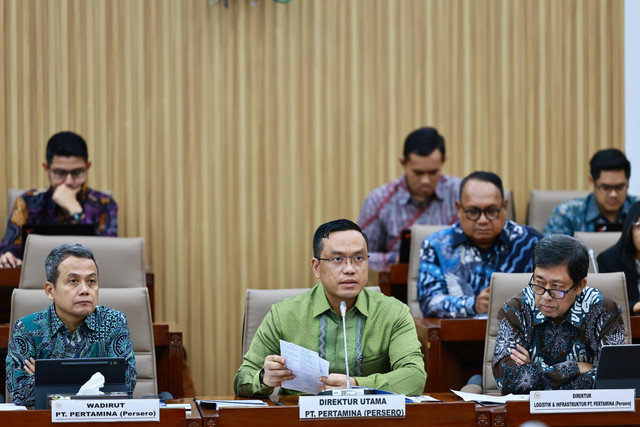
168, 418
452, 412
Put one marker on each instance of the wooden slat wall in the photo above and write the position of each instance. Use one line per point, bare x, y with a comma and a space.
228, 134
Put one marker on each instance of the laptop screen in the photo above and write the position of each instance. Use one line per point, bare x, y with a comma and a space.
59, 230
619, 367
66, 376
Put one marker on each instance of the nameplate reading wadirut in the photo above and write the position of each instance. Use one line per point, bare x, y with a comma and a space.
78, 410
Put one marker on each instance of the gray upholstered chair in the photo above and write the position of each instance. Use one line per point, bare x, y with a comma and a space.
120, 259
258, 302
506, 285
418, 234
133, 302
542, 203
599, 242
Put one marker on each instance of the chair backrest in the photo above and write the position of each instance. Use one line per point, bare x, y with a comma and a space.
120, 259
507, 285
14, 193
133, 302
542, 203
598, 241
418, 234
511, 207
258, 302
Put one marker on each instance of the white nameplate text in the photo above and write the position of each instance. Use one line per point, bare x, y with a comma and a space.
558, 401
104, 410
366, 406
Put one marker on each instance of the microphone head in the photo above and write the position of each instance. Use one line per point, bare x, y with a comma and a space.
343, 308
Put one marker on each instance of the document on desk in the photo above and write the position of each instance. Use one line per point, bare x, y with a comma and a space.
487, 398
306, 365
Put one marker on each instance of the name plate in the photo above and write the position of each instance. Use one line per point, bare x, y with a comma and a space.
559, 401
366, 406
104, 410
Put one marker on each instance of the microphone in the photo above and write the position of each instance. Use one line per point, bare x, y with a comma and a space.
593, 261
343, 312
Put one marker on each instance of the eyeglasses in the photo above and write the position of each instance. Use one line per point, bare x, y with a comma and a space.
553, 293
609, 188
75, 173
474, 214
357, 261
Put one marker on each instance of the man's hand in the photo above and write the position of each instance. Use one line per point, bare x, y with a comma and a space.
9, 260
520, 355
275, 371
65, 197
482, 301
30, 366
336, 381
585, 367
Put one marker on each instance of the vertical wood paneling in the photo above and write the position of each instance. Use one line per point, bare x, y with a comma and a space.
229, 134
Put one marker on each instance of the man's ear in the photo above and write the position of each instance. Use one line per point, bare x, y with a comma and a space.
88, 165
581, 286
402, 161
45, 166
591, 180
49, 288
315, 266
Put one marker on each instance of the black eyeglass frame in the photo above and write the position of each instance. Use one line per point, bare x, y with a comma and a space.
474, 214
533, 288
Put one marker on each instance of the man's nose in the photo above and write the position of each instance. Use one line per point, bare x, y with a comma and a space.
68, 179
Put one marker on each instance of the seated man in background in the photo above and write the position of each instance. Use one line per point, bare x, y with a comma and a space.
456, 263
73, 326
605, 209
551, 333
383, 347
423, 195
67, 200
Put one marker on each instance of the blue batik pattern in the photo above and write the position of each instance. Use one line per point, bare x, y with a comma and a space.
42, 335
453, 270
554, 350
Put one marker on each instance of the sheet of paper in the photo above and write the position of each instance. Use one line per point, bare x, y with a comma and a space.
242, 403
423, 398
12, 407
475, 397
306, 365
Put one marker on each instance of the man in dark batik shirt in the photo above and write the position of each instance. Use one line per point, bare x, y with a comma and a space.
67, 200
73, 326
551, 333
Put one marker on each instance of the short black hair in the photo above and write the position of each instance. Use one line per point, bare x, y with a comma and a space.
562, 249
62, 252
482, 176
610, 159
67, 144
327, 228
423, 142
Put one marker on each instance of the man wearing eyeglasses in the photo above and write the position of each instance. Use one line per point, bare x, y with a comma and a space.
383, 347
67, 200
606, 208
456, 263
550, 334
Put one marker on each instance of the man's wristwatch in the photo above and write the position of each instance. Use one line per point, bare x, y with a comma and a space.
261, 377
76, 216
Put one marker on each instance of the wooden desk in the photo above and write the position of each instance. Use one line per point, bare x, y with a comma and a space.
168, 418
169, 357
454, 349
516, 413
452, 412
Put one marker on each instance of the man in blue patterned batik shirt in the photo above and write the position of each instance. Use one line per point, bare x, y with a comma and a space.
606, 207
73, 326
456, 263
550, 334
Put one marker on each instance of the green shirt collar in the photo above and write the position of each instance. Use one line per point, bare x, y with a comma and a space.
321, 304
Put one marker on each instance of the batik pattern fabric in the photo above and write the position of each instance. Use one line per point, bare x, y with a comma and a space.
554, 350
389, 209
453, 270
42, 335
583, 215
37, 207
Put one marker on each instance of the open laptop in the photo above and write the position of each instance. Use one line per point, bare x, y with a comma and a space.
66, 376
619, 367
59, 230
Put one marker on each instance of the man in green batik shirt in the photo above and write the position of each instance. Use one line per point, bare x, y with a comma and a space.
383, 347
